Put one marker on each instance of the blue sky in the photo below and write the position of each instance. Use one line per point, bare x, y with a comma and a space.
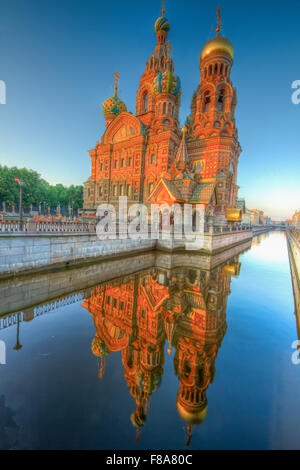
57, 59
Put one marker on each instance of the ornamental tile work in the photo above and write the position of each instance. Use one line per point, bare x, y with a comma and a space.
139, 154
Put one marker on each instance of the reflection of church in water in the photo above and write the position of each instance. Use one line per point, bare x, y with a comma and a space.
138, 314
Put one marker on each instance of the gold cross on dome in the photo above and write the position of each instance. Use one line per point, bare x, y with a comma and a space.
163, 7
219, 20
117, 78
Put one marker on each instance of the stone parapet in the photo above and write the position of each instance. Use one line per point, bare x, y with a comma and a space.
24, 253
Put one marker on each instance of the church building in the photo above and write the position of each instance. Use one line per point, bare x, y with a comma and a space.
150, 159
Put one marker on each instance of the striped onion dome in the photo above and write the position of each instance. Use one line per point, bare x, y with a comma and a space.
99, 348
162, 24
166, 82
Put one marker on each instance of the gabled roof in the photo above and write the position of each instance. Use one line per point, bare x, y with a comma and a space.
169, 187
202, 193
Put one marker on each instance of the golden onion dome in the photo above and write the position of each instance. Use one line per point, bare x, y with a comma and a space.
219, 44
192, 416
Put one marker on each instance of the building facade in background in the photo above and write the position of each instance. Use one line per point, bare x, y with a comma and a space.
294, 221
149, 159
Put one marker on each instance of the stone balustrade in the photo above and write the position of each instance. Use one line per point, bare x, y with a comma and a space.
32, 226
44, 245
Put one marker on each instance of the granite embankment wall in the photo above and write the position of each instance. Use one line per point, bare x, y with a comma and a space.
293, 239
26, 293
258, 229
23, 253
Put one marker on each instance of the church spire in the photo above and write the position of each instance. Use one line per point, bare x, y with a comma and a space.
181, 157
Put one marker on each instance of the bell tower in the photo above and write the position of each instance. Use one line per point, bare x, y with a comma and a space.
213, 121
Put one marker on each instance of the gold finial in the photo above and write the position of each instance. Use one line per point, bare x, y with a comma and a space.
117, 78
163, 7
219, 20
170, 50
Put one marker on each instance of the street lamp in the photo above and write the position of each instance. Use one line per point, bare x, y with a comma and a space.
21, 184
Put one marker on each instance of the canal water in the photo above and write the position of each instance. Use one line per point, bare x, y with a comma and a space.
182, 351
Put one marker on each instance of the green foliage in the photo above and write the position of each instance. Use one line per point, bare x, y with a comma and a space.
36, 190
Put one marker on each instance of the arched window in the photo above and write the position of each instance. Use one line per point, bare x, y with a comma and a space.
220, 101
226, 70
145, 102
205, 73
216, 69
222, 69
210, 70
206, 102
164, 108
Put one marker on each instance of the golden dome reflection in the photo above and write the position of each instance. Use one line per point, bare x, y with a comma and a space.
192, 417
147, 314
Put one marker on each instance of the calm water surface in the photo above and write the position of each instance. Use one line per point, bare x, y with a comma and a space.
97, 374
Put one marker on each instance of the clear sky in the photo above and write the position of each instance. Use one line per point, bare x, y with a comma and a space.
57, 59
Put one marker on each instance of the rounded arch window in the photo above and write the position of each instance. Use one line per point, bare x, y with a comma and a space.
145, 102
164, 108
206, 102
220, 101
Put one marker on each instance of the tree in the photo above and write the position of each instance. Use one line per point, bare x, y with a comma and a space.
36, 190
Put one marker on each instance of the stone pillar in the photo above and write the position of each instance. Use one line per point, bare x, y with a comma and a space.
28, 314
92, 227
31, 226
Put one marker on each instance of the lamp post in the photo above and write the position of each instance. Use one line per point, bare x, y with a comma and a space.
18, 346
21, 184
